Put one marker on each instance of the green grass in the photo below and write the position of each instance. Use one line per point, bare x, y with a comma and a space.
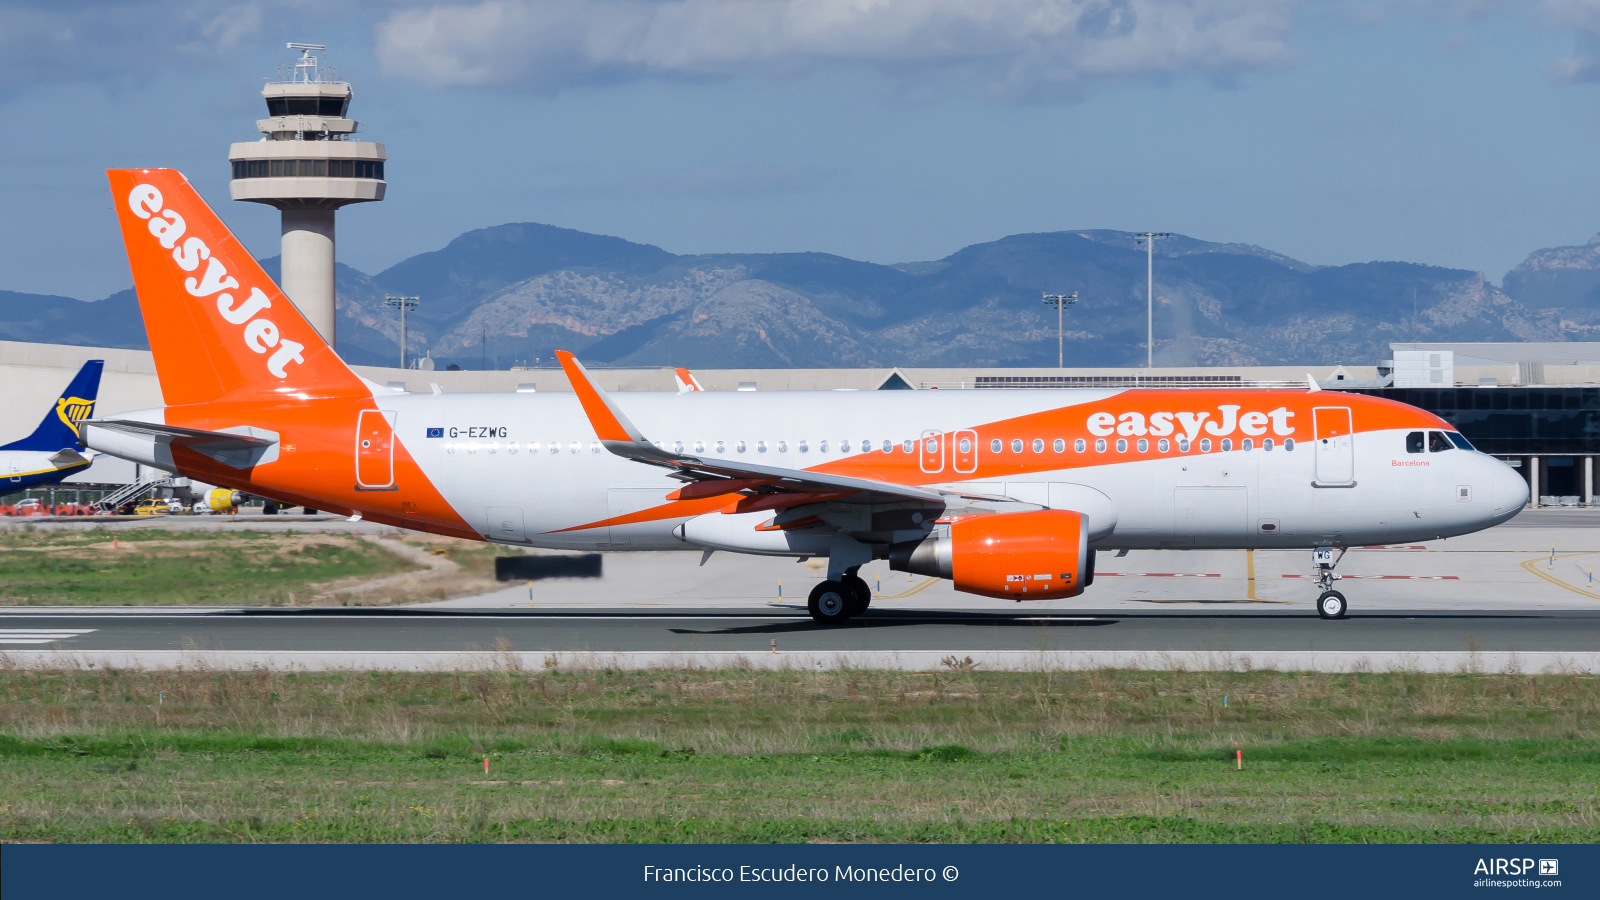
156, 566
713, 756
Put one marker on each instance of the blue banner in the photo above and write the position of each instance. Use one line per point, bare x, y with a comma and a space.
301, 871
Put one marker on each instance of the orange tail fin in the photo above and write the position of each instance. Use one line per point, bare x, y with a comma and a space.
218, 326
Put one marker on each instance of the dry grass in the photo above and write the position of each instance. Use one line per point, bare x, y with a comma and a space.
155, 565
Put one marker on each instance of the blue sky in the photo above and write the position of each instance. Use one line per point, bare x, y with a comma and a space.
1453, 133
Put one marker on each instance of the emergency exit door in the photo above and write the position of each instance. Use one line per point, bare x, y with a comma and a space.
1336, 458
375, 450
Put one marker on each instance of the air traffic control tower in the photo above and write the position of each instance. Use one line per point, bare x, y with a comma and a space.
306, 165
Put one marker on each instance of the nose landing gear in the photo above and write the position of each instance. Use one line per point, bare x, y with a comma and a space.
1331, 605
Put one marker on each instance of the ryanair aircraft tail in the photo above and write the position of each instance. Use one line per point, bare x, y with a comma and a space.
59, 430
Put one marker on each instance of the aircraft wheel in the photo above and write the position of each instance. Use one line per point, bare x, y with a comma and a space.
1331, 605
830, 603
863, 593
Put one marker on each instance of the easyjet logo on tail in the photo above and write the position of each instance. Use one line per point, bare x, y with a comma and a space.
260, 333
1161, 424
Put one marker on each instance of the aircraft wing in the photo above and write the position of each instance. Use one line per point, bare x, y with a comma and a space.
623, 438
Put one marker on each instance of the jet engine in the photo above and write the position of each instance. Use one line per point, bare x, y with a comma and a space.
1038, 555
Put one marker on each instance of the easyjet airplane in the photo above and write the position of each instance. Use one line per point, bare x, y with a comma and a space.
1006, 493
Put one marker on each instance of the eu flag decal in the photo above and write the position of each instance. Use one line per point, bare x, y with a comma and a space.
435, 432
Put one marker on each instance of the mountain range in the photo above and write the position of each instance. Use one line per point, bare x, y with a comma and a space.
512, 294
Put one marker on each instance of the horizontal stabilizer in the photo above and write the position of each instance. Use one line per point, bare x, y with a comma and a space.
241, 447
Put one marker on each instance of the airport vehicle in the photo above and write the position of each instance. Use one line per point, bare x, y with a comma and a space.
153, 508
1007, 493
55, 449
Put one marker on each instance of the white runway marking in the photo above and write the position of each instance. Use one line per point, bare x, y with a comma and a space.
41, 635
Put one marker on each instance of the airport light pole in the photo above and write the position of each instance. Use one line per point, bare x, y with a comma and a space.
1058, 301
1148, 239
403, 304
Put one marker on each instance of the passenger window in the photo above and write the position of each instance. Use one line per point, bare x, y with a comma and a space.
1016, 445
1144, 445
1100, 445
1247, 444
1288, 444
1183, 445
1078, 445
965, 445
1205, 445
1122, 445
1060, 446
1038, 445
1437, 442
994, 446
1164, 445
1414, 442
1266, 444
1227, 444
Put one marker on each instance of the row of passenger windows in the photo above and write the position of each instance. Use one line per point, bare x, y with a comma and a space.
327, 107
308, 168
964, 446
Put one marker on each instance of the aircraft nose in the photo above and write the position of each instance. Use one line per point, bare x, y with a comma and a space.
1510, 491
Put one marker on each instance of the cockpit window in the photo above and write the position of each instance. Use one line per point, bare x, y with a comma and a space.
1461, 442
1437, 443
1414, 442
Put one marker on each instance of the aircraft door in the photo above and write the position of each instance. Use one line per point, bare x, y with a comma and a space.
1336, 462
16, 468
966, 452
930, 451
375, 450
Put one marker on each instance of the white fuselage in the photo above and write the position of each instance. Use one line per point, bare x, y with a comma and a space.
537, 454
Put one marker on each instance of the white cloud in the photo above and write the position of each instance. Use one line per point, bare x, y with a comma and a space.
1006, 48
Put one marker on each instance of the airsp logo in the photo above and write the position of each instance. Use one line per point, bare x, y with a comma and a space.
1515, 867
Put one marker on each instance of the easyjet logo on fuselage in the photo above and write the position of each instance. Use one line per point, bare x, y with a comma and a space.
260, 334
1161, 424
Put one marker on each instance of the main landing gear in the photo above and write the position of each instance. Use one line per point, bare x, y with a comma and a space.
835, 602
1331, 605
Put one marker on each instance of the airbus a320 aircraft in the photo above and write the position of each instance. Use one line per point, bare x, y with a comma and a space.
1007, 493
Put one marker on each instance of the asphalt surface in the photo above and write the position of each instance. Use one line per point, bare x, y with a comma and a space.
722, 630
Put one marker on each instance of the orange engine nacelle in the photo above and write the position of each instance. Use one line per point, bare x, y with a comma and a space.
1039, 555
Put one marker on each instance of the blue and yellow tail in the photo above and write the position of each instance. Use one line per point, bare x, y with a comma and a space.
60, 428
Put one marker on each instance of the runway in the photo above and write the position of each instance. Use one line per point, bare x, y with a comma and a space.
423, 639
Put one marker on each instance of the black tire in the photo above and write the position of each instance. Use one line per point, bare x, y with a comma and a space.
1331, 605
830, 603
863, 594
